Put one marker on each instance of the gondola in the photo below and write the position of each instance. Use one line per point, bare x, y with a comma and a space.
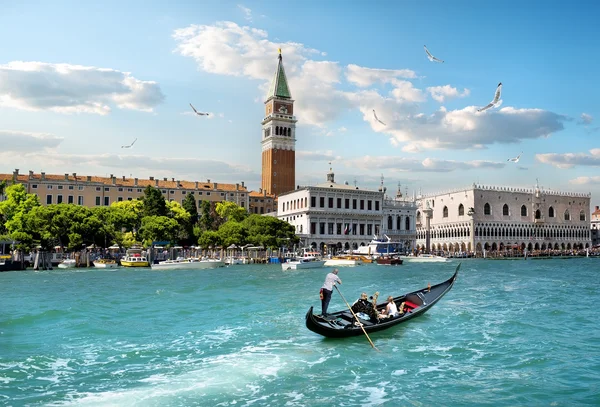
341, 324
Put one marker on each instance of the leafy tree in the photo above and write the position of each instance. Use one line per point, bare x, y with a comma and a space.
176, 211
154, 202
232, 233
127, 214
231, 211
206, 217
209, 238
2, 187
189, 204
158, 228
269, 231
14, 209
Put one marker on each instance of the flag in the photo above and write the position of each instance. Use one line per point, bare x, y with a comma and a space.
347, 229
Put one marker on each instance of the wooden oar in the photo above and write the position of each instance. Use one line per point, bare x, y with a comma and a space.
355, 317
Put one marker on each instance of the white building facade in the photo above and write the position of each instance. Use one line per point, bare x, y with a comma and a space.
502, 218
334, 217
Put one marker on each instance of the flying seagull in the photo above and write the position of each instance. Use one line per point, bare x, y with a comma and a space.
131, 145
376, 118
431, 57
199, 113
496, 102
516, 159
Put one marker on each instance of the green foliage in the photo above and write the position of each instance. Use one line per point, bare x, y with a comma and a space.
206, 217
176, 211
2, 187
232, 233
209, 238
127, 214
14, 210
231, 211
158, 228
269, 231
154, 202
189, 204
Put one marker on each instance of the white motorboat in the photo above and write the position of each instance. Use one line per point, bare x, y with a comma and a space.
425, 258
106, 264
309, 260
342, 261
67, 264
233, 260
191, 263
377, 247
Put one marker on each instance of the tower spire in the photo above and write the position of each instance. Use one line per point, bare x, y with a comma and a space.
279, 86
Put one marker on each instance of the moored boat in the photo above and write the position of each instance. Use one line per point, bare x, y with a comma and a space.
341, 324
105, 264
67, 264
309, 260
389, 260
425, 258
341, 261
191, 263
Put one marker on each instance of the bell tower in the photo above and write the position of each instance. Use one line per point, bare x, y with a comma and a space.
279, 136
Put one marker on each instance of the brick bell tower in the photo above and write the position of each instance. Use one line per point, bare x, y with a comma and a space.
278, 136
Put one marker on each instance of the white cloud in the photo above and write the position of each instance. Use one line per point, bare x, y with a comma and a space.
247, 12
595, 180
441, 93
404, 164
317, 156
586, 119
66, 88
22, 142
320, 89
569, 160
365, 77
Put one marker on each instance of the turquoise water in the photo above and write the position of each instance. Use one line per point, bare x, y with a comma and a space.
510, 333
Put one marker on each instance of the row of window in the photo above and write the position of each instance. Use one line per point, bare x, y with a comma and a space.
345, 229
120, 189
59, 199
356, 203
70, 187
487, 210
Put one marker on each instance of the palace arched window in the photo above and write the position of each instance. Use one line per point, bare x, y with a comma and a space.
567, 215
582, 215
445, 212
551, 212
523, 210
390, 222
277, 130
407, 223
461, 210
505, 210
398, 220
487, 209
538, 214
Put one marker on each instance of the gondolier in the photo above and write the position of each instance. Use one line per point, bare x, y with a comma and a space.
327, 289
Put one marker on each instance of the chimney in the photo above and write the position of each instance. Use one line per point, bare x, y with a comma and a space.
178, 183
208, 181
214, 185
75, 176
265, 192
89, 178
597, 207
30, 174
242, 184
151, 178
135, 181
123, 177
237, 187
15, 174
113, 179
165, 178
43, 174
155, 182
196, 184
173, 179
260, 190
66, 177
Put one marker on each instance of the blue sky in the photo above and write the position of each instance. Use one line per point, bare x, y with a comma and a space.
79, 80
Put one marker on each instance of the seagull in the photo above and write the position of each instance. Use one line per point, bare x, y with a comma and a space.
199, 113
376, 118
431, 57
129, 146
516, 159
496, 102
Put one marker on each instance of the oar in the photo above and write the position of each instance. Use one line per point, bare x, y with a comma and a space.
355, 317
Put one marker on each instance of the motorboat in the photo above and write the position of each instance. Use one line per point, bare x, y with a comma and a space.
106, 264
425, 258
190, 263
134, 258
342, 261
309, 260
389, 261
377, 247
233, 260
67, 264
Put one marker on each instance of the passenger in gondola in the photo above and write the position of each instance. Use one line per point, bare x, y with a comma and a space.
362, 305
391, 310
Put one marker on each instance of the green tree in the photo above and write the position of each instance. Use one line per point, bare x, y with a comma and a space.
209, 238
14, 209
206, 217
269, 231
127, 214
232, 232
189, 204
231, 211
158, 228
154, 202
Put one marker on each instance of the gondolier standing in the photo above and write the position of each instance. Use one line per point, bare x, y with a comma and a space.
327, 289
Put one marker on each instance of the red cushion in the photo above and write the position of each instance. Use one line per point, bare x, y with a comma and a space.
410, 304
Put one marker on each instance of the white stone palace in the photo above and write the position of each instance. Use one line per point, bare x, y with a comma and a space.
500, 218
340, 216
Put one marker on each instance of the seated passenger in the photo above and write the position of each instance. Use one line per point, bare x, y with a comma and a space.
391, 310
363, 305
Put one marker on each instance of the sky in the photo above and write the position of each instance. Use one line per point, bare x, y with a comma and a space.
80, 80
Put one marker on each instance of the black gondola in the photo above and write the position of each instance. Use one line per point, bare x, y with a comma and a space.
341, 324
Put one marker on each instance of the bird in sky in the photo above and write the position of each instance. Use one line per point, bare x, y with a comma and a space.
199, 113
431, 57
516, 159
496, 102
376, 118
131, 145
